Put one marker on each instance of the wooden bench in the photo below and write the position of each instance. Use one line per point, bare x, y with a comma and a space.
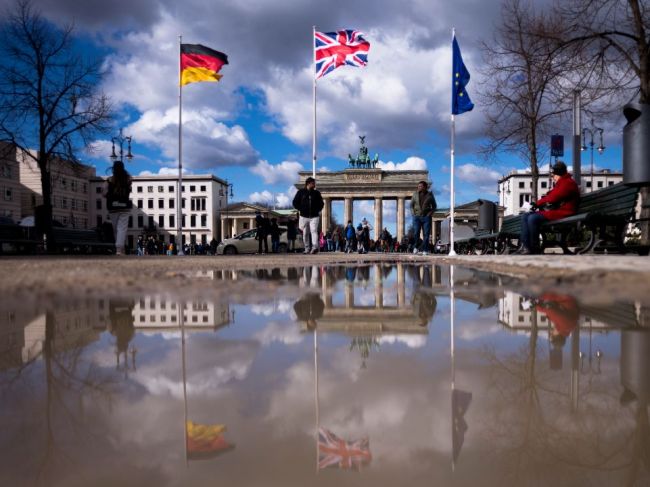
603, 215
73, 241
17, 239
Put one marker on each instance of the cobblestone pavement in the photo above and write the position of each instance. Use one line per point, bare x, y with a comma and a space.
598, 276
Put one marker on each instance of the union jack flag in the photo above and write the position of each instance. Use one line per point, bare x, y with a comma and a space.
334, 49
335, 452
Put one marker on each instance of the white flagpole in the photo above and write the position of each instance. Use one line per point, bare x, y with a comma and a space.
452, 195
179, 199
313, 73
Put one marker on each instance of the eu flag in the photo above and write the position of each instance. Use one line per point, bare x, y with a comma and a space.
460, 102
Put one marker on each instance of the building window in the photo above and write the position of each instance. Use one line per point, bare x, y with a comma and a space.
64, 183
198, 204
138, 189
84, 188
192, 220
161, 189
183, 203
171, 203
85, 205
204, 221
98, 204
6, 171
150, 221
149, 189
73, 204
522, 184
161, 221
192, 189
150, 204
130, 221
99, 220
161, 203
245, 225
73, 185
64, 202
171, 221
600, 184
140, 204
140, 221
544, 184
610, 183
98, 190
8, 194
184, 223
203, 188
588, 185
170, 189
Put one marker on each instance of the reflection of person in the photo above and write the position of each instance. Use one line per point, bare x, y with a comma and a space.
118, 203
564, 198
309, 202
562, 311
423, 205
424, 305
309, 308
120, 313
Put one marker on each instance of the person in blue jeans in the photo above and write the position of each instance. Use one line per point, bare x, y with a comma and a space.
423, 205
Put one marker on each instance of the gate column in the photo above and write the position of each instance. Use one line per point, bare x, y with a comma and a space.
379, 221
400, 219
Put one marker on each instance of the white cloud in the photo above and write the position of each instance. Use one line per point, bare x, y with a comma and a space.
288, 334
410, 164
411, 341
282, 200
271, 174
163, 171
482, 177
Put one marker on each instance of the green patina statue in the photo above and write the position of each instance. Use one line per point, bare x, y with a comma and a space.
363, 159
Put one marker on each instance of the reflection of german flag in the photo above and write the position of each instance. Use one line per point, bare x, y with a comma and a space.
200, 63
206, 441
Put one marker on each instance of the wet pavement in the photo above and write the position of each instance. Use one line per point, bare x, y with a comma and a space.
384, 373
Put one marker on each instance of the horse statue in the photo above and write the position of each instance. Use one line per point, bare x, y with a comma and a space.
375, 161
352, 161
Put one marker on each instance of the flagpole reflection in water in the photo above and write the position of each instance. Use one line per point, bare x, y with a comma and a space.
453, 368
316, 398
181, 322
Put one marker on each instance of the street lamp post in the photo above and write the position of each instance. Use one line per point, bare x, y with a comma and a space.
120, 140
222, 193
601, 148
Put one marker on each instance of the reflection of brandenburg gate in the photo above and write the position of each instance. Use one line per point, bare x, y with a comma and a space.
366, 184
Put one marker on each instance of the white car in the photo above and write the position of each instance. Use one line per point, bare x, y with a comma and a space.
246, 243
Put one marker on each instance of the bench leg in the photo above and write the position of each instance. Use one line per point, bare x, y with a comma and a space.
591, 244
563, 244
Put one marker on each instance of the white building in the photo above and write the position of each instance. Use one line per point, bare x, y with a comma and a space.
154, 207
515, 189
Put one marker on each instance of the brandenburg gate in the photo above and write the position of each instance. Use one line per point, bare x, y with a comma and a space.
363, 181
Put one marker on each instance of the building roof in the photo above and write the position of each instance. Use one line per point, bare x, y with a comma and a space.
169, 177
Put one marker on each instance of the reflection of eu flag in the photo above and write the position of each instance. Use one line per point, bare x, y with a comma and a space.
460, 102
459, 405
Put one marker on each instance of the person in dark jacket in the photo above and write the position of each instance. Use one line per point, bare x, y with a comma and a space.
563, 199
309, 202
119, 203
423, 205
263, 225
274, 230
291, 235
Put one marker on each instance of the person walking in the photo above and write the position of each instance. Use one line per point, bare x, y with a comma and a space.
262, 224
274, 230
367, 228
119, 203
349, 237
423, 205
309, 202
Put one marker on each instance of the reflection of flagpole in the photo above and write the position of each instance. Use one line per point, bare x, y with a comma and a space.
453, 365
181, 321
316, 396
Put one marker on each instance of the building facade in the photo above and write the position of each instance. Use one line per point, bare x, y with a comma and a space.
9, 182
155, 207
516, 188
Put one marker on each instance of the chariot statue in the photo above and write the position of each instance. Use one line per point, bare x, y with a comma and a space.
363, 159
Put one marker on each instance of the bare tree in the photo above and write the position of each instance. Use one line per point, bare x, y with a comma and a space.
525, 97
614, 35
48, 94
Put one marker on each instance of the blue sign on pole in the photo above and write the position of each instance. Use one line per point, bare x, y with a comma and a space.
557, 145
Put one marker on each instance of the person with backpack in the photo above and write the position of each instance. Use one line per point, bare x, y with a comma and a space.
349, 237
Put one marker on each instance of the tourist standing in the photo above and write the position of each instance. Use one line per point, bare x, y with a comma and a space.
309, 202
262, 224
423, 205
119, 203
291, 235
275, 235
349, 237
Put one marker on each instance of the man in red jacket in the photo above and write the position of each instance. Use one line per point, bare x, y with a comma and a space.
563, 200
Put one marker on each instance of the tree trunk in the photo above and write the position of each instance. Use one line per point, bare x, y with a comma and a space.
45, 217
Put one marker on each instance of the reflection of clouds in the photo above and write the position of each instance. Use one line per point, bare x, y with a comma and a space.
210, 364
411, 341
284, 305
289, 334
476, 330
266, 309
364, 298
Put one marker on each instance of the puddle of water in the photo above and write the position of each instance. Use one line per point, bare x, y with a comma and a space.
373, 375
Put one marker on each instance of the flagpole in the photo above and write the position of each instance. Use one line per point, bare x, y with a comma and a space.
453, 361
179, 199
452, 196
313, 73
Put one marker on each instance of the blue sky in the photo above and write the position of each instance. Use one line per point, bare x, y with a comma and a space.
254, 127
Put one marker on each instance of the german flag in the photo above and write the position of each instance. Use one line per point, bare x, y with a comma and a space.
205, 441
200, 63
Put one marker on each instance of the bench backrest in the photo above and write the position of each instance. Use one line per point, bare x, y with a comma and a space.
511, 225
617, 199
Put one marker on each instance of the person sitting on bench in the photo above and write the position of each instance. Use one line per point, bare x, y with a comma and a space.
563, 201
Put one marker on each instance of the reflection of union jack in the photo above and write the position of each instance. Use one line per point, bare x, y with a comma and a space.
335, 452
334, 49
